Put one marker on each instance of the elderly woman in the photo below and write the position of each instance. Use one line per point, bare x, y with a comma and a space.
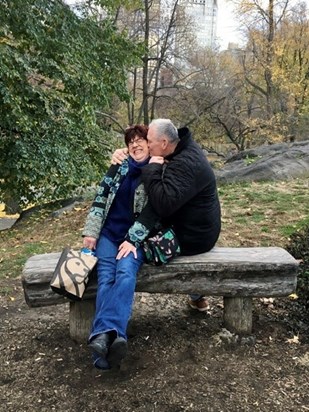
118, 221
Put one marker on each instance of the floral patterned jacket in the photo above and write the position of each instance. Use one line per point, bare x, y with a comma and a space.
146, 218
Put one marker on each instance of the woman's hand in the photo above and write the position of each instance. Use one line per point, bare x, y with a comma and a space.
89, 242
125, 249
119, 155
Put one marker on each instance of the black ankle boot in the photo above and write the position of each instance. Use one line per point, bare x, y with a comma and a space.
100, 344
117, 351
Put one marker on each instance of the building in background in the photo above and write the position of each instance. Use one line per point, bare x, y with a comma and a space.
203, 15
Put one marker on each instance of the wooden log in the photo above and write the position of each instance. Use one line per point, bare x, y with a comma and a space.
230, 272
238, 315
81, 315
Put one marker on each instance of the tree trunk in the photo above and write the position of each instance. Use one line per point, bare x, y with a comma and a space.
145, 66
269, 61
11, 206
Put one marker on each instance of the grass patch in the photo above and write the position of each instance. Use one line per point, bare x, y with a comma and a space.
258, 217
39, 233
289, 229
6, 290
265, 229
262, 213
251, 159
18, 257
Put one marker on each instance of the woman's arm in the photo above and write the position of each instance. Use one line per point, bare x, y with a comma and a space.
90, 242
97, 213
125, 249
138, 232
146, 221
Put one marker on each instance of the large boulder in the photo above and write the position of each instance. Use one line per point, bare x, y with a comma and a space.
270, 162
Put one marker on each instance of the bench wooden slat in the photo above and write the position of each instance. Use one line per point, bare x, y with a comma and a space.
230, 272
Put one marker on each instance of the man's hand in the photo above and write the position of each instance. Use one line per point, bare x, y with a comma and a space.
89, 242
157, 159
119, 155
125, 249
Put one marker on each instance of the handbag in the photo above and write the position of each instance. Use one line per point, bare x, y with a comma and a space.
162, 247
71, 274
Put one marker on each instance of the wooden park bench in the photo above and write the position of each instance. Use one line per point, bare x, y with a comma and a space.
237, 274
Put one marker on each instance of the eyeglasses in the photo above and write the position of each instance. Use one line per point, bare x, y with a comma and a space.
138, 141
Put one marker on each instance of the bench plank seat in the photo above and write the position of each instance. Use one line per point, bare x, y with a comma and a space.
237, 274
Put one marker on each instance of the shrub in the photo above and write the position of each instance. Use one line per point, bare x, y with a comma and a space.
299, 248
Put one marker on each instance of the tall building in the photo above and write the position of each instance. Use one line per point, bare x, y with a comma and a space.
203, 14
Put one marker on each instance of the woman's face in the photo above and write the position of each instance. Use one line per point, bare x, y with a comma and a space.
138, 149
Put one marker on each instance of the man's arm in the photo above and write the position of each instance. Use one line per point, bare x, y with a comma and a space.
119, 156
170, 186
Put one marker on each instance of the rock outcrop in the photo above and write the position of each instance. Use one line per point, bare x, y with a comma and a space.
282, 161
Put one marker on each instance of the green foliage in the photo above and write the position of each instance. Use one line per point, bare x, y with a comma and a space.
289, 230
57, 68
299, 248
113, 5
251, 159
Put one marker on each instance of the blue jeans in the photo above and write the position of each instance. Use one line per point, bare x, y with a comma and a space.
196, 296
116, 286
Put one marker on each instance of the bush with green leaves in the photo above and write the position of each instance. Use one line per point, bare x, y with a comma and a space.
299, 248
57, 68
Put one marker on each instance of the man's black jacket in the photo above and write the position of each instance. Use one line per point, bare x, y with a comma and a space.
184, 193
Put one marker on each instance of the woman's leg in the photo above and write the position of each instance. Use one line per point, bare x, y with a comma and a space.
106, 253
118, 309
116, 286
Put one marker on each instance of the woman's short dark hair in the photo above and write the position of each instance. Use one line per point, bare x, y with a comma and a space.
131, 132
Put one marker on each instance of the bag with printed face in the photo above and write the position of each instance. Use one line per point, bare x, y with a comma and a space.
71, 274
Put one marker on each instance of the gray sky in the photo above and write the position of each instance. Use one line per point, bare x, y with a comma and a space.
227, 25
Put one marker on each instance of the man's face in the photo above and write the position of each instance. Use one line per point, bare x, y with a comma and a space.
154, 144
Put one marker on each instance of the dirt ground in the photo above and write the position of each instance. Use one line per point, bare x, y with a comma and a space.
178, 360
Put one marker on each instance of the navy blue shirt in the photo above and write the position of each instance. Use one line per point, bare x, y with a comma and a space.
120, 216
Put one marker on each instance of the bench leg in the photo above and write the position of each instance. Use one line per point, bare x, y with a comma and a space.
238, 315
81, 315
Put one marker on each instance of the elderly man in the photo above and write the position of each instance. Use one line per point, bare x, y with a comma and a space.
182, 189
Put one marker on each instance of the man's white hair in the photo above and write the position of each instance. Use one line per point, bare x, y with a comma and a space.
167, 128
